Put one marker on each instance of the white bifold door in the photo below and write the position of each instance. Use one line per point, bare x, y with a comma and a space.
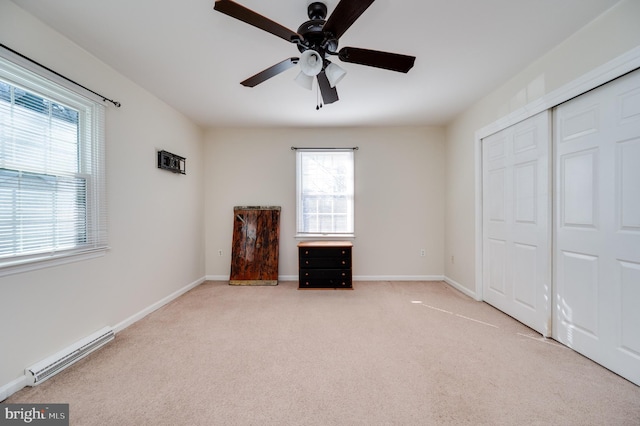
516, 222
597, 225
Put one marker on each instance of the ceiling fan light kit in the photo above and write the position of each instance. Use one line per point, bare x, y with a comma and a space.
335, 73
311, 63
304, 80
317, 40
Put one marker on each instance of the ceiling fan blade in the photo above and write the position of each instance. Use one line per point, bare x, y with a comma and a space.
262, 76
344, 15
241, 13
329, 94
375, 58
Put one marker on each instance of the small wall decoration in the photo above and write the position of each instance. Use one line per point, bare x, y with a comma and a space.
171, 162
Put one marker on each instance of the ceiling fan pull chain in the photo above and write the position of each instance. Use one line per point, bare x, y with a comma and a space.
318, 102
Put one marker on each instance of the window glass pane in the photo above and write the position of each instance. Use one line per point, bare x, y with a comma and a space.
40, 212
38, 135
4, 92
325, 205
325, 192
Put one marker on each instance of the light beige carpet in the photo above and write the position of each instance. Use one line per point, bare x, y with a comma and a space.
386, 353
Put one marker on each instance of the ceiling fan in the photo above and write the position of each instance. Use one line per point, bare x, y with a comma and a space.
317, 41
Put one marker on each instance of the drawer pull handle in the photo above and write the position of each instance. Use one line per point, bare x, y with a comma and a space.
344, 262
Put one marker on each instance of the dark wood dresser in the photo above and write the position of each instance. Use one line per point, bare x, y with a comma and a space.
325, 264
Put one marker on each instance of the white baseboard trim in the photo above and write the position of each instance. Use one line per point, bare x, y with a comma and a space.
217, 278
461, 288
288, 278
146, 311
398, 278
12, 387
355, 278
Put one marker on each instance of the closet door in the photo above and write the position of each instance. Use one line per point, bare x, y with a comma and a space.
597, 225
516, 222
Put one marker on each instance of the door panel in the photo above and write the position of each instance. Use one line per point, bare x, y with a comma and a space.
597, 227
495, 198
630, 295
628, 182
516, 222
525, 262
496, 266
525, 190
579, 273
578, 192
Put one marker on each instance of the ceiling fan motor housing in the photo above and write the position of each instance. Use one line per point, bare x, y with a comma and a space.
317, 10
313, 35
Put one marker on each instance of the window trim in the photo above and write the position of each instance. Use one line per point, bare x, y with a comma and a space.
320, 235
91, 127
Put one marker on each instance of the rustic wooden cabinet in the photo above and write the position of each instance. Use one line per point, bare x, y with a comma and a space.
254, 254
325, 264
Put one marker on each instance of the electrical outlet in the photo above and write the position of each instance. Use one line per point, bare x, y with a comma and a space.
423, 252
219, 252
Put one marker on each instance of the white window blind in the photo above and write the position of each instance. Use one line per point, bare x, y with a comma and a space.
52, 178
325, 192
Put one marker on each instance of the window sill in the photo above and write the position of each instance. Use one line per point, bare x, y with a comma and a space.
35, 264
325, 236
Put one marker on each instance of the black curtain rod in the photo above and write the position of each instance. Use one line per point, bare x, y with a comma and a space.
104, 98
294, 148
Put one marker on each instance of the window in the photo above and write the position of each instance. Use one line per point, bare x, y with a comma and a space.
52, 195
325, 188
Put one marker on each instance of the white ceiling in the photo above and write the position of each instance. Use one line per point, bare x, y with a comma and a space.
194, 58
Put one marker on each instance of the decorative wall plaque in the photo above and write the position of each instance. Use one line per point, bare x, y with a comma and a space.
171, 162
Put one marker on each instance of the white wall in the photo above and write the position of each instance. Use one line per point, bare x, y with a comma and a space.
606, 38
399, 194
155, 217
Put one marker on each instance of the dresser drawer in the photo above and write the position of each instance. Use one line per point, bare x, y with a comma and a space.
325, 278
334, 274
316, 252
325, 262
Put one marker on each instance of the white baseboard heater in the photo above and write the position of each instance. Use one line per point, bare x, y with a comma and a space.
41, 371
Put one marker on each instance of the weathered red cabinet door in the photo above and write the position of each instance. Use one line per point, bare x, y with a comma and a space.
254, 254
